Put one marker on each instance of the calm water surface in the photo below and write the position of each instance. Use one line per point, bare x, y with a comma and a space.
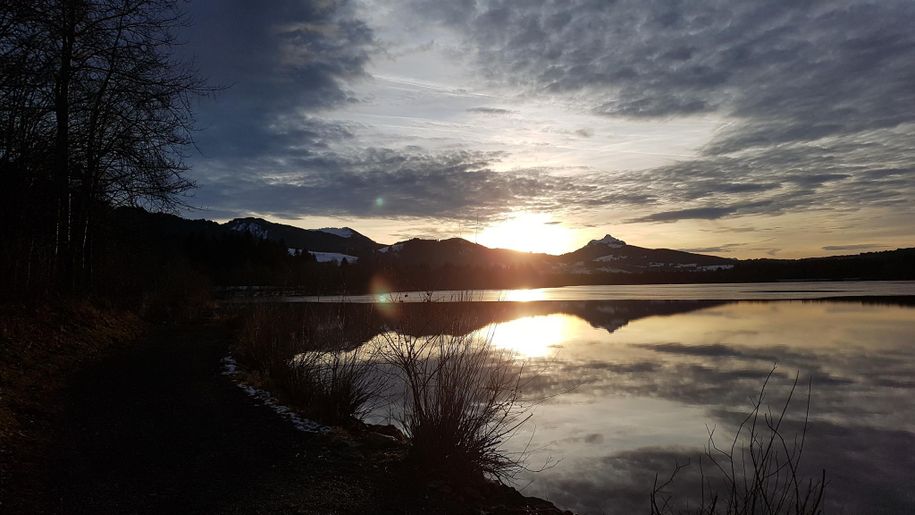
629, 388
627, 401
724, 291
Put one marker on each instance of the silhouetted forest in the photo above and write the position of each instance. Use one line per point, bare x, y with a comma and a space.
94, 114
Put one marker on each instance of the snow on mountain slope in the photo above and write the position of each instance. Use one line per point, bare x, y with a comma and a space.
392, 248
249, 226
327, 257
343, 232
609, 241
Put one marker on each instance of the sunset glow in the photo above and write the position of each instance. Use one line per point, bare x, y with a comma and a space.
528, 232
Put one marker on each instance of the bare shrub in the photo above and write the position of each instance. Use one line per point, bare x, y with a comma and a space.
462, 401
304, 358
758, 473
333, 386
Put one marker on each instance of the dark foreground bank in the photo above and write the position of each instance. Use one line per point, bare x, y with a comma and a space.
155, 427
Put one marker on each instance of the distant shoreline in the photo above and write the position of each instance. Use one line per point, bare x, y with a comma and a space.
648, 292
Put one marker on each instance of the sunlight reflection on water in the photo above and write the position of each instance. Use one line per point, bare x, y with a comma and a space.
625, 398
530, 337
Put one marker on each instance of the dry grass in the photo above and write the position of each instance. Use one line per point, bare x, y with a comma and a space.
462, 401
462, 397
757, 473
303, 356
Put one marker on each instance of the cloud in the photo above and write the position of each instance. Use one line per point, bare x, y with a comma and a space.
723, 248
490, 110
812, 92
276, 65
792, 71
389, 183
700, 213
861, 246
845, 172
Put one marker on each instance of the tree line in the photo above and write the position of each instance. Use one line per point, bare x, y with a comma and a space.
95, 113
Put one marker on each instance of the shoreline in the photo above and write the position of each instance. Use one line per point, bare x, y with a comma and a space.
150, 423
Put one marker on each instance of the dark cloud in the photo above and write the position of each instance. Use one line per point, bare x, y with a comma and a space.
276, 63
701, 213
723, 248
707, 212
490, 110
795, 71
842, 173
388, 183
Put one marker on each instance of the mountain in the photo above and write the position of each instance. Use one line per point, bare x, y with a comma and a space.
341, 240
456, 252
613, 255
606, 255
253, 251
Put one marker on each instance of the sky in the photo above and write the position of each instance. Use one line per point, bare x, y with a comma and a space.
741, 128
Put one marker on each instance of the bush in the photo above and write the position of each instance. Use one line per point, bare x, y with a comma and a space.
462, 401
758, 473
302, 357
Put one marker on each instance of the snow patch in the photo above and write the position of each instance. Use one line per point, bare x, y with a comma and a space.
251, 227
230, 368
327, 257
613, 270
610, 241
392, 248
343, 232
713, 268
611, 257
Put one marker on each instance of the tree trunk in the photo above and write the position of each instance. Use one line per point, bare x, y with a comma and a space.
63, 253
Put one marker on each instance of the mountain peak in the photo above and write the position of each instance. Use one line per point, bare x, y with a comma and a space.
609, 241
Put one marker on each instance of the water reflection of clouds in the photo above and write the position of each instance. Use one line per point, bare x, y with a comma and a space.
682, 372
868, 470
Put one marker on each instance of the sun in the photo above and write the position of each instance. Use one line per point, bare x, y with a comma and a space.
527, 232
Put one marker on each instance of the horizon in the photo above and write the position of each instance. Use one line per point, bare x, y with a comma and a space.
747, 130
849, 252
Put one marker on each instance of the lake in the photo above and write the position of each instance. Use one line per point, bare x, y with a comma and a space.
787, 290
626, 399
629, 380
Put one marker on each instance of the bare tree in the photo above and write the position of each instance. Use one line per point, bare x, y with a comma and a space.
99, 83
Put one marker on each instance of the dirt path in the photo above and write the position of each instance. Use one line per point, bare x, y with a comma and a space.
158, 429
155, 427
